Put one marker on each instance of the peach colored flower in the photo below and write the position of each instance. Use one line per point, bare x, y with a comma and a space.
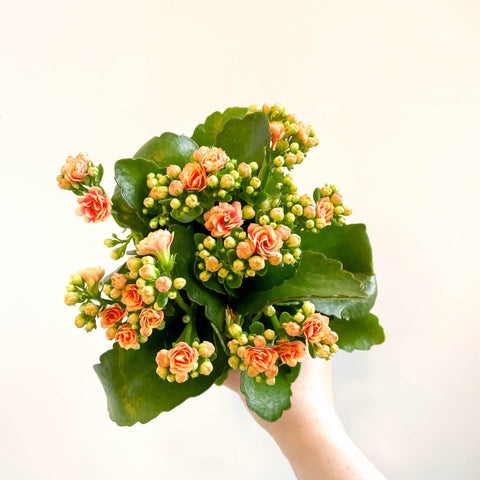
275, 259
175, 188
267, 241
292, 328
284, 231
92, 275
220, 220
118, 281
126, 336
262, 359
163, 284
331, 338
173, 171
163, 358
315, 328
212, 264
76, 168
132, 298
290, 352
336, 198
183, 358
111, 315
309, 211
256, 263
211, 159
325, 209
244, 169
150, 319
94, 206
277, 130
193, 177
63, 183
304, 132
245, 249
156, 243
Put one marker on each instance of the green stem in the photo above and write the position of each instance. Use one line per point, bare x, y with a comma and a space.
275, 323
181, 303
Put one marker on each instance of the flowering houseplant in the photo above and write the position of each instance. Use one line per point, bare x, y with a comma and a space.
231, 267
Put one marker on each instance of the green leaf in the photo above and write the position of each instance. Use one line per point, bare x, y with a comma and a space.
206, 133
269, 401
184, 246
126, 216
349, 244
358, 333
167, 149
135, 393
257, 328
317, 277
245, 139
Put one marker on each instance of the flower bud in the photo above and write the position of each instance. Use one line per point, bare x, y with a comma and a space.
269, 334
322, 351
172, 295
269, 311
320, 223
212, 264
76, 280
253, 166
192, 201
326, 191
227, 181
238, 266
297, 210
334, 348
242, 339
336, 199
255, 182
248, 212
80, 321
175, 204
347, 211
111, 332
249, 190
148, 272
270, 381
308, 308
179, 283
205, 276
90, 325
278, 161
173, 171
148, 202
233, 361
277, 214
309, 224
206, 368
212, 181
256, 263
92, 171
162, 372
264, 220
290, 160
299, 317
134, 263
115, 293
163, 284
206, 349
229, 242
288, 259
223, 273
209, 242
293, 241
289, 217
90, 309
244, 170
275, 259
71, 298
141, 282
339, 210
235, 330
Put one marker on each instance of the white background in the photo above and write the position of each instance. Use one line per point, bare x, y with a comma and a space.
392, 89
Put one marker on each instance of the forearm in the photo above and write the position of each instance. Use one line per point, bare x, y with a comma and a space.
318, 448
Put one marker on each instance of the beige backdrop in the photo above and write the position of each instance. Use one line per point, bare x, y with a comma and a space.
392, 88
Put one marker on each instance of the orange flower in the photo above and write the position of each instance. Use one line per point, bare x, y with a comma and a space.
292, 328
126, 336
290, 352
118, 281
111, 315
132, 298
261, 359
156, 243
92, 275
95, 206
163, 358
193, 177
315, 328
150, 319
211, 159
245, 249
277, 130
267, 241
75, 168
304, 132
221, 219
183, 358
324, 209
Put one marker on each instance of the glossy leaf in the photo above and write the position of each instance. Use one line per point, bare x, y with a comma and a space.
135, 393
167, 149
269, 401
358, 333
316, 278
245, 139
206, 133
184, 246
126, 216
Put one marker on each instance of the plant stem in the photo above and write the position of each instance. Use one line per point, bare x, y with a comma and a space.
181, 303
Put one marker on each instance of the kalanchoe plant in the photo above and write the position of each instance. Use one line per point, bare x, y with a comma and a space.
231, 267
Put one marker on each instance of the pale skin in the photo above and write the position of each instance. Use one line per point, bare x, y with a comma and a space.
310, 434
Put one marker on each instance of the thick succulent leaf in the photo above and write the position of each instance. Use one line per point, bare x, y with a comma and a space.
358, 333
206, 133
316, 278
348, 243
168, 148
126, 216
245, 139
269, 401
183, 246
135, 393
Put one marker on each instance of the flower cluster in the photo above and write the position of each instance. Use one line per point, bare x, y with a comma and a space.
261, 354
183, 361
81, 176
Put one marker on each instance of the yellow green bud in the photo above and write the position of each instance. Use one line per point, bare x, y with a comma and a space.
278, 161
227, 181
206, 368
269, 310
229, 242
71, 298
339, 210
288, 259
277, 214
205, 276
179, 283
175, 204
234, 361
223, 273
309, 224
347, 211
248, 212
235, 330
308, 308
192, 201
90, 309
90, 325
80, 321
255, 182
269, 334
148, 202
209, 242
